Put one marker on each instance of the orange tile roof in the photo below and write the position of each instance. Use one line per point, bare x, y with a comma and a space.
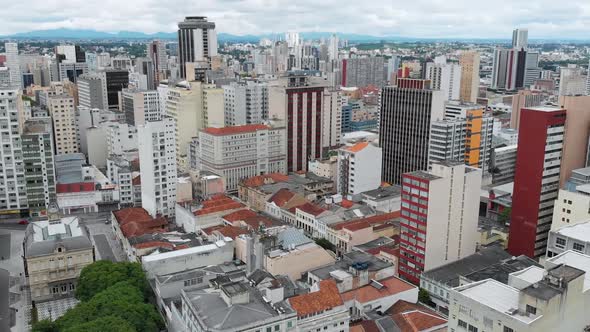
411, 317
347, 204
358, 224
154, 244
281, 197
137, 221
254, 222
311, 209
257, 181
368, 293
218, 203
239, 215
324, 299
227, 231
357, 147
364, 326
235, 129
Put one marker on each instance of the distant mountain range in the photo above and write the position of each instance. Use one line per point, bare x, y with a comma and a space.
83, 34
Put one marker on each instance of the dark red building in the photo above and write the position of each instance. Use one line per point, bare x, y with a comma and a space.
536, 179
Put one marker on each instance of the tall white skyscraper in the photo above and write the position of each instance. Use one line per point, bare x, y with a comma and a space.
333, 47
157, 159
292, 38
13, 64
197, 41
445, 77
13, 191
520, 39
245, 103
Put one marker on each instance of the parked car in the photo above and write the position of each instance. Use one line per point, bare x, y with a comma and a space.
23, 222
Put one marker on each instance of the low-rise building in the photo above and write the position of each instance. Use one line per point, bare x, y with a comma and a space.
326, 168
55, 252
294, 260
574, 237
571, 207
384, 199
503, 163
322, 309
132, 222
359, 169
347, 234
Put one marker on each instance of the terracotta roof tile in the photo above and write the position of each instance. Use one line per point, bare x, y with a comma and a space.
357, 224
324, 299
239, 215
347, 204
357, 147
281, 197
369, 293
227, 231
255, 221
257, 181
364, 326
218, 203
137, 221
235, 129
310, 209
154, 244
411, 317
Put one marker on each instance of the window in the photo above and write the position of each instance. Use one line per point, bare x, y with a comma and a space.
560, 242
578, 247
531, 310
277, 327
507, 329
472, 328
462, 324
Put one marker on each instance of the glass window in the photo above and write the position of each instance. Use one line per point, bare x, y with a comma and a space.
531, 310
578, 247
560, 242
462, 324
507, 329
472, 328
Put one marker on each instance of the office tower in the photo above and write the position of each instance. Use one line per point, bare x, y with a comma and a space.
292, 38
407, 111
520, 39
197, 41
523, 99
469, 62
140, 106
69, 54
392, 66
13, 195
361, 72
331, 122
115, 81
103, 60
63, 112
213, 115
241, 152
536, 179
156, 50
92, 61
572, 81
13, 64
4, 77
92, 91
144, 68
296, 101
532, 71
508, 69
333, 48
503, 164
358, 169
303, 57
245, 103
157, 152
575, 144
71, 70
38, 152
439, 215
445, 77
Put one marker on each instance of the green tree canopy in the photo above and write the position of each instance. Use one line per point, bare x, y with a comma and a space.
108, 323
100, 275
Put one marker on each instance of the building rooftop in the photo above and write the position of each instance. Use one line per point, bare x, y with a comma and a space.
501, 271
357, 224
413, 317
326, 298
137, 221
239, 215
185, 252
449, 274
377, 289
580, 232
382, 193
224, 131
44, 237
291, 238
218, 203
544, 108
355, 259
356, 147
423, 175
225, 230
573, 259
281, 197
309, 208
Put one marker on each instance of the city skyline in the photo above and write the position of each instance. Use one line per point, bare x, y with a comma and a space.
452, 19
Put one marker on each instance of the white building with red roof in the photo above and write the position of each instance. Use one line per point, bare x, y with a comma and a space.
241, 152
359, 169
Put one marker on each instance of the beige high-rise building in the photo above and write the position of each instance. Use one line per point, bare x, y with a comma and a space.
523, 99
469, 62
62, 109
577, 134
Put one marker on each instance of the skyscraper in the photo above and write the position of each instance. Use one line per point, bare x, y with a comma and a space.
13, 64
407, 111
361, 72
536, 179
439, 215
333, 48
508, 71
197, 41
520, 39
156, 50
92, 91
157, 152
292, 38
245, 103
469, 62
445, 77
63, 112
13, 194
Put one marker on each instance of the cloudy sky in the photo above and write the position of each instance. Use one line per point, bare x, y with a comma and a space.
415, 18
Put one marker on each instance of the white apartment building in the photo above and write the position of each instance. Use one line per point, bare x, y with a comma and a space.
63, 112
245, 103
92, 91
359, 169
574, 237
503, 164
140, 106
121, 138
535, 299
572, 81
439, 212
445, 77
13, 191
571, 207
157, 151
332, 119
13, 64
241, 152
120, 174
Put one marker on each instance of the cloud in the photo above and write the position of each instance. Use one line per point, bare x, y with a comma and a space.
418, 18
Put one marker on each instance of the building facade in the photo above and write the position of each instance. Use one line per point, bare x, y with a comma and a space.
245, 103
197, 41
359, 169
63, 112
469, 62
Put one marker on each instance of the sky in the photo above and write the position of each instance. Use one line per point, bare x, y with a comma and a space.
568, 19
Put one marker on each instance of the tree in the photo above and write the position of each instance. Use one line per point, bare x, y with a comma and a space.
44, 326
108, 323
324, 243
504, 216
100, 275
424, 297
